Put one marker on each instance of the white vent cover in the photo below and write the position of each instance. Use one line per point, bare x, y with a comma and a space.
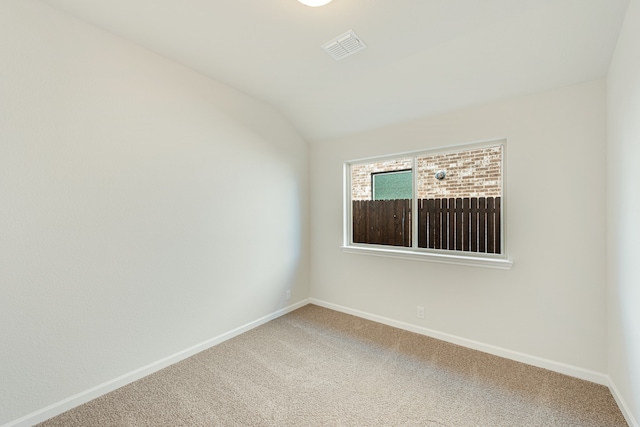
344, 45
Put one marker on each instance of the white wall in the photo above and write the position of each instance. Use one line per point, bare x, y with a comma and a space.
143, 208
623, 93
551, 304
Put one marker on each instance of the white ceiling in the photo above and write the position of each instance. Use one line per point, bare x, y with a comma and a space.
423, 56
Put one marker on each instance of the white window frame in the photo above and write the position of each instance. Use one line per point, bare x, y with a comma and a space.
499, 261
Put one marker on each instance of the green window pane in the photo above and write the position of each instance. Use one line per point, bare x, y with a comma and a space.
392, 185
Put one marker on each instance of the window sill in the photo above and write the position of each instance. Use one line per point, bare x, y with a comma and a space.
396, 252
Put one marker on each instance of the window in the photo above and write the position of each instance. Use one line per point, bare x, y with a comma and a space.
445, 205
392, 185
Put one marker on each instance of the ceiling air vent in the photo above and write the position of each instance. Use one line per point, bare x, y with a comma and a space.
344, 45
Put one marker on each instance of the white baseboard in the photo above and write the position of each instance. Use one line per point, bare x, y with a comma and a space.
624, 408
563, 368
104, 388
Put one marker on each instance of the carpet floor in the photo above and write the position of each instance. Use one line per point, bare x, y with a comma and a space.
318, 367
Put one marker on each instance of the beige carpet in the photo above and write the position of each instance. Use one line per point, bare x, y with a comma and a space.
318, 367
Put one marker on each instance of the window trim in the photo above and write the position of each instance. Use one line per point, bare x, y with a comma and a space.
499, 261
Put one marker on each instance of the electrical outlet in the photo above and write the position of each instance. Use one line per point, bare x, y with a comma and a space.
420, 312
288, 295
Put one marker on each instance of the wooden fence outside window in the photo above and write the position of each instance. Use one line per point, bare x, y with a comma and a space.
462, 224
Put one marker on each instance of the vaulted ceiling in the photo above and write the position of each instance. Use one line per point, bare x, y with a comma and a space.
423, 56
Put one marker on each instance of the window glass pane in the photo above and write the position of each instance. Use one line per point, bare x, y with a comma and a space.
386, 218
459, 199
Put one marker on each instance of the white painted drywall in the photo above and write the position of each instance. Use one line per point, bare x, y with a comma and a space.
623, 189
143, 208
551, 304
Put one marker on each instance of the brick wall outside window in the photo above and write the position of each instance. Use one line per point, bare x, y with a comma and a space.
361, 175
471, 173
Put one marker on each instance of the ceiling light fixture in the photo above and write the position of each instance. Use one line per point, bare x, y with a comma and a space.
315, 3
